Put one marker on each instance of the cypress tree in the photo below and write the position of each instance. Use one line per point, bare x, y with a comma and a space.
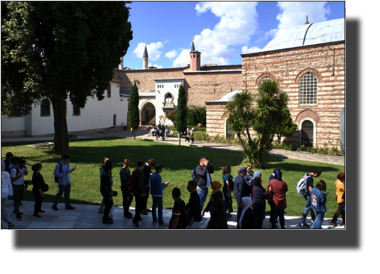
133, 109
181, 112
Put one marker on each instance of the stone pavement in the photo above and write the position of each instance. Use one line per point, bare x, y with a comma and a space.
87, 217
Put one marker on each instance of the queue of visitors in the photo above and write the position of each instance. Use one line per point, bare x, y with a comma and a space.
246, 188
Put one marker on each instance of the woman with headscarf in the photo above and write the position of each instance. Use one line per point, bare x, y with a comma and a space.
278, 202
258, 200
216, 207
6, 191
247, 217
38, 184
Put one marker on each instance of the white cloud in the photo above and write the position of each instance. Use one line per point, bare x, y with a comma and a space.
238, 22
154, 65
293, 14
183, 58
153, 50
171, 54
245, 49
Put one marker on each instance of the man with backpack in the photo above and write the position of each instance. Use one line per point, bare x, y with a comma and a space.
304, 186
139, 191
64, 182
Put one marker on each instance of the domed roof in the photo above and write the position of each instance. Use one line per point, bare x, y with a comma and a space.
308, 34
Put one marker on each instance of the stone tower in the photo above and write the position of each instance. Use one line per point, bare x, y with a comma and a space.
145, 58
195, 58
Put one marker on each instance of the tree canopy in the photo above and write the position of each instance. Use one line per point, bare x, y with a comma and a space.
60, 50
133, 109
181, 112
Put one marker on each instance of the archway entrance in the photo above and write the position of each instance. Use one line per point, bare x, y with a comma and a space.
148, 114
307, 133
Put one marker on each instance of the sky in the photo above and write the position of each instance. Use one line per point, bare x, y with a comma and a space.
221, 30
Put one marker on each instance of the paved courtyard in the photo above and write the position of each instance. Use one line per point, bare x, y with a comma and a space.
87, 217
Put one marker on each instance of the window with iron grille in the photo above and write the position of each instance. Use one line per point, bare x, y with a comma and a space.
45, 108
307, 133
308, 89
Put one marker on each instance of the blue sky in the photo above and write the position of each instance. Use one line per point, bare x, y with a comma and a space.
222, 30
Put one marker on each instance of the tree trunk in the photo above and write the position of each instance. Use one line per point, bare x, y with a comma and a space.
61, 134
179, 139
134, 134
263, 160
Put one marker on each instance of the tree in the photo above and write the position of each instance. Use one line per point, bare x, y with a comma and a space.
171, 116
286, 129
133, 109
196, 115
181, 112
57, 50
266, 119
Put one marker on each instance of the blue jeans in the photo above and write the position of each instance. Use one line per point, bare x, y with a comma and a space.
278, 213
157, 202
307, 209
202, 195
130, 135
317, 224
163, 137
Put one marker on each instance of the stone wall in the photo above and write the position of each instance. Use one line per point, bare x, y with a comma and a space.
286, 66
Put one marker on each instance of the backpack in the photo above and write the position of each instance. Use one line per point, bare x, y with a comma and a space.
302, 185
60, 170
132, 185
194, 175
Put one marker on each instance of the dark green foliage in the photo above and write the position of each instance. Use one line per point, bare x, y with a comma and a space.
133, 108
196, 115
171, 116
287, 128
181, 112
57, 50
265, 119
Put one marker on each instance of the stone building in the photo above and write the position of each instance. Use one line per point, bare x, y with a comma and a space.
309, 63
158, 86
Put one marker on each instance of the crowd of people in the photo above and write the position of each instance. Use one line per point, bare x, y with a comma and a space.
246, 188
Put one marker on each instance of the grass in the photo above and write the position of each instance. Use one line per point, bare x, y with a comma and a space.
178, 162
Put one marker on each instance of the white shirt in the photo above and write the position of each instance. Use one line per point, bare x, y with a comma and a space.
20, 181
6, 185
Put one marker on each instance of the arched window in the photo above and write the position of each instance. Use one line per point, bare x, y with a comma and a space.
168, 98
45, 108
308, 89
307, 133
265, 79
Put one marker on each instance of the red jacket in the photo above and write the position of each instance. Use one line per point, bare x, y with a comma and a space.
279, 193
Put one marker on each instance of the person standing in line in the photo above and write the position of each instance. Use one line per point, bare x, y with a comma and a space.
64, 182
7, 161
138, 191
228, 188
203, 177
156, 191
193, 207
339, 183
258, 200
279, 189
240, 189
216, 207
147, 169
106, 191
157, 133
101, 209
17, 178
178, 220
272, 176
131, 134
6, 191
308, 208
125, 179
38, 184
318, 203
187, 139
247, 217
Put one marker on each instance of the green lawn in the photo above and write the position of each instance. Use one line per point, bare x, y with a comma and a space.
178, 162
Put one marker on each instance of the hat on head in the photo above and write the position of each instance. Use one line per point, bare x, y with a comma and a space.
242, 169
9, 154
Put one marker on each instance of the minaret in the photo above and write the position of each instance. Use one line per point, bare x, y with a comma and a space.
195, 58
121, 65
307, 21
145, 58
